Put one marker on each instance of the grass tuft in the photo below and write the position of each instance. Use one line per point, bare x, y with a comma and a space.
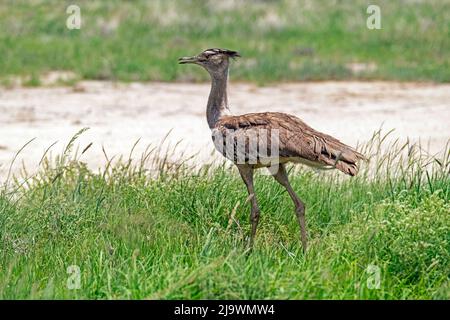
286, 40
158, 229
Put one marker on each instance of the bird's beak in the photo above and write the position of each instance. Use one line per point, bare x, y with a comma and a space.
184, 60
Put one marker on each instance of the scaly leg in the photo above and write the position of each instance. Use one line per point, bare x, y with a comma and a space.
282, 178
247, 175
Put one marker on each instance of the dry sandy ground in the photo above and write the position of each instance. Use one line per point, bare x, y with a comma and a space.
119, 114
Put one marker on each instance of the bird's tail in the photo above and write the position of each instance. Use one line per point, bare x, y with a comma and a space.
341, 156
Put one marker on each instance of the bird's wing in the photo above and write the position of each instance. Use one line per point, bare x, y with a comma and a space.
295, 138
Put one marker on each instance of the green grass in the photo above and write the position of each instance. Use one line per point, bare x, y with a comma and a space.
284, 40
176, 232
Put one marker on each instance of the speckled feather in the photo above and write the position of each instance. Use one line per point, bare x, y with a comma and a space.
297, 140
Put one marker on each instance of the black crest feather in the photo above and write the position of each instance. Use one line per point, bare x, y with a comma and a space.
230, 53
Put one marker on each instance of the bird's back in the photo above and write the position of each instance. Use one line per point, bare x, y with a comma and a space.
296, 141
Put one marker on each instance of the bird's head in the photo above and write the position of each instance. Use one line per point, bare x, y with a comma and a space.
213, 60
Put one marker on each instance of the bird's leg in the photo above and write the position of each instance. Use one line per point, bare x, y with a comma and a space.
247, 175
282, 178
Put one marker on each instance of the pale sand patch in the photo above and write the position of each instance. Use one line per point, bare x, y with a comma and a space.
120, 114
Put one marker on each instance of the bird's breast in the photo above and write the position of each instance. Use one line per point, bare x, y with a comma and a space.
254, 147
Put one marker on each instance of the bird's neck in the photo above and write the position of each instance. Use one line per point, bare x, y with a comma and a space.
217, 102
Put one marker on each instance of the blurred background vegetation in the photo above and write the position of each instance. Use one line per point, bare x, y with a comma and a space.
285, 40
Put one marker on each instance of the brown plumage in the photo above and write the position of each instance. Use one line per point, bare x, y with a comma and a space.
285, 138
298, 142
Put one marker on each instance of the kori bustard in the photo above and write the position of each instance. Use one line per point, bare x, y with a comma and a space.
294, 140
